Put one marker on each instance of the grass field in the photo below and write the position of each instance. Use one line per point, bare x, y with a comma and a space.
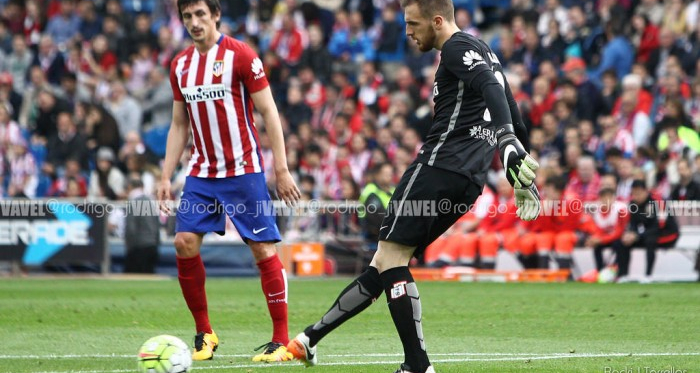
96, 326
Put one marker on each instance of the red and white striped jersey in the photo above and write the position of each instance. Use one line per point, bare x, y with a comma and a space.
216, 88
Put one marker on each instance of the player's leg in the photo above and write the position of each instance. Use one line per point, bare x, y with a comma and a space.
527, 250
404, 303
544, 244
273, 278
488, 249
196, 215
246, 201
564, 248
468, 245
622, 256
407, 235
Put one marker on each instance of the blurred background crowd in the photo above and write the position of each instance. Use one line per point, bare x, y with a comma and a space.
610, 91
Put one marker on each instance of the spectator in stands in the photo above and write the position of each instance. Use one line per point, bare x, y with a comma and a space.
553, 11
625, 173
99, 128
22, 170
313, 90
531, 53
63, 186
609, 219
157, 99
90, 21
141, 65
288, 42
32, 24
72, 92
679, 140
589, 139
645, 37
375, 198
101, 63
141, 230
18, 62
10, 132
668, 46
652, 9
613, 136
350, 44
296, 111
37, 83
63, 27
687, 189
50, 59
542, 99
391, 41
359, 157
48, 108
66, 143
632, 83
141, 34
136, 167
610, 92
618, 53
316, 55
649, 227
115, 34
634, 120
589, 102
124, 108
106, 180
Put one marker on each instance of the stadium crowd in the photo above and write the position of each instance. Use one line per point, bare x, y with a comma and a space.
610, 91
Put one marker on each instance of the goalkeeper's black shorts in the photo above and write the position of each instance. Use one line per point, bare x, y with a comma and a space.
426, 202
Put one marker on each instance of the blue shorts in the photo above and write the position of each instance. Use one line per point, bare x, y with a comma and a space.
205, 202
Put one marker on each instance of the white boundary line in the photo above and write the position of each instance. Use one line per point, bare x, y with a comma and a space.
452, 354
485, 357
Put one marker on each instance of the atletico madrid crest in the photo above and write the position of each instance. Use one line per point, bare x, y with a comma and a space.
218, 68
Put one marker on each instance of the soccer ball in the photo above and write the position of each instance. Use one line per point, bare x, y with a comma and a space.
164, 354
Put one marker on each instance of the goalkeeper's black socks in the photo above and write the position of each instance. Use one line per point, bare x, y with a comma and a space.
404, 305
359, 295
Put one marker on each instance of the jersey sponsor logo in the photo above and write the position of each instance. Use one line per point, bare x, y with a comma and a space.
398, 290
493, 58
481, 133
473, 59
257, 68
207, 92
218, 68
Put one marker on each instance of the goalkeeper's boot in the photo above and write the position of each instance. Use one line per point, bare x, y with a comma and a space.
406, 369
204, 346
273, 352
301, 348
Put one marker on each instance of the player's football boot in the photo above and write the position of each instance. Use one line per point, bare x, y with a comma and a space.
406, 369
301, 349
204, 346
273, 352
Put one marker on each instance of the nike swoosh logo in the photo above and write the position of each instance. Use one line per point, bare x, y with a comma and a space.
256, 231
510, 148
275, 294
309, 356
386, 226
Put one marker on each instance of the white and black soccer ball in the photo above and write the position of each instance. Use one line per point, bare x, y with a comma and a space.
164, 354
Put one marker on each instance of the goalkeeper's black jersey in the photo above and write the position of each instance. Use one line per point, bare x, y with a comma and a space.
462, 138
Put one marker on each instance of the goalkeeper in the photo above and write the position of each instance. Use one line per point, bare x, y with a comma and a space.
475, 115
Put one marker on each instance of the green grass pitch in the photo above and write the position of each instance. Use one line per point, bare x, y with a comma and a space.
97, 326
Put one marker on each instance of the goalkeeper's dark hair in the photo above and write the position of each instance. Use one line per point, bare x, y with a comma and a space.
213, 5
430, 8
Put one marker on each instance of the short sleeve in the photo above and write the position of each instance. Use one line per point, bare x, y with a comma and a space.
465, 60
250, 70
177, 94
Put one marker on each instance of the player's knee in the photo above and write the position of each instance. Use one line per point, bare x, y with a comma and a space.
262, 250
186, 246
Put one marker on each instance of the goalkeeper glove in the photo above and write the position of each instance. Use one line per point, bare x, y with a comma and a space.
520, 171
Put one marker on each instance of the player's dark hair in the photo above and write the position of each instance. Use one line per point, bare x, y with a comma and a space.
430, 8
213, 5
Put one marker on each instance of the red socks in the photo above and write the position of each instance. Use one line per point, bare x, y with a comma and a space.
274, 285
191, 274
